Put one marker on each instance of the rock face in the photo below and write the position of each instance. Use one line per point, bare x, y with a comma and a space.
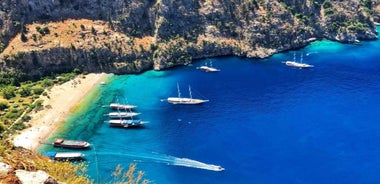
181, 30
376, 10
38, 177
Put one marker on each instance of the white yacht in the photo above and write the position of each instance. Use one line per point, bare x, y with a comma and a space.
187, 101
122, 114
118, 106
294, 63
208, 68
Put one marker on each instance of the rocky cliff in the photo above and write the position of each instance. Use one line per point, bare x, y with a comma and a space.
131, 36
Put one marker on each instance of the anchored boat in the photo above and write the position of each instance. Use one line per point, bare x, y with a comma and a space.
64, 156
118, 106
186, 101
126, 123
59, 142
208, 68
296, 64
122, 114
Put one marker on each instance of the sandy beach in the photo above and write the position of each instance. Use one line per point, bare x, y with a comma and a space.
63, 99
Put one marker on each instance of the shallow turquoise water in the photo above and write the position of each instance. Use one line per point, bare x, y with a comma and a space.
265, 122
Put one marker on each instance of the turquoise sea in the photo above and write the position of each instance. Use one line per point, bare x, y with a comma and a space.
265, 123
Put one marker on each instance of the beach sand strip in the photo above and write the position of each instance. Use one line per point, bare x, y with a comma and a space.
62, 99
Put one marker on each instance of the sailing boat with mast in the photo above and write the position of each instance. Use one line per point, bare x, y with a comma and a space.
118, 106
208, 68
294, 63
125, 119
186, 101
211, 69
126, 123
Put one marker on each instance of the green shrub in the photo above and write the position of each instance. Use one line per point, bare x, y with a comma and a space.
19, 126
37, 105
8, 92
46, 30
329, 11
25, 91
34, 37
357, 27
2, 47
14, 77
26, 118
77, 71
327, 4
366, 3
13, 114
4, 105
47, 82
2, 129
43, 31
37, 91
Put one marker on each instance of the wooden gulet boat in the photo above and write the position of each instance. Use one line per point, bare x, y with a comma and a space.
76, 144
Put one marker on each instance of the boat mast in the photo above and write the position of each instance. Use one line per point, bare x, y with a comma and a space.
190, 92
179, 92
294, 57
301, 57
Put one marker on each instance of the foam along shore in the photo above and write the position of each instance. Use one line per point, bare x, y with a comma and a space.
63, 99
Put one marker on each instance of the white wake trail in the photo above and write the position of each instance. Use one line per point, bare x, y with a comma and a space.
169, 160
196, 164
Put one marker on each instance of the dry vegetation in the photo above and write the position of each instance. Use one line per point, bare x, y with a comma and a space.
128, 177
23, 159
76, 34
67, 172
144, 43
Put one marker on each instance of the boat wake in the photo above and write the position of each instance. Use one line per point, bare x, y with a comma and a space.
307, 54
196, 164
167, 159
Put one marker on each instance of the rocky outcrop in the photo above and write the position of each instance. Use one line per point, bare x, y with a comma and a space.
342, 26
375, 7
38, 177
8, 175
178, 31
4, 170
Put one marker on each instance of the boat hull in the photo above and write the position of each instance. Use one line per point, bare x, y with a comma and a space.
65, 156
122, 114
298, 65
73, 144
126, 123
208, 69
185, 101
117, 106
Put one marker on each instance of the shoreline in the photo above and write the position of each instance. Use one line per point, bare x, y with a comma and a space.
62, 100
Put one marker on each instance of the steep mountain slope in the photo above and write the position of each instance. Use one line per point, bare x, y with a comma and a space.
132, 35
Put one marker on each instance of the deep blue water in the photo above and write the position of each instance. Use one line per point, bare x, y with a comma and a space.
265, 123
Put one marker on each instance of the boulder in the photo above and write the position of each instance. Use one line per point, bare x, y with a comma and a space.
4, 169
37, 177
